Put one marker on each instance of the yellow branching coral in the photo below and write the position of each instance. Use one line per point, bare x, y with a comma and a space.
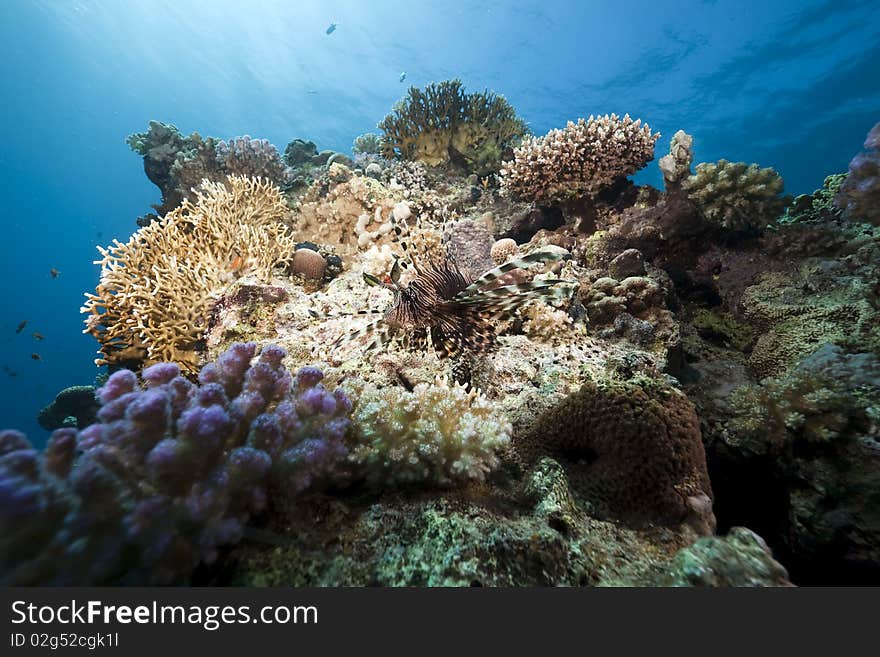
441, 121
157, 290
581, 159
436, 434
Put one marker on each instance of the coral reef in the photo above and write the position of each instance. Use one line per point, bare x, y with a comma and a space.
859, 195
169, 474
581, 159
738, 197
157, 290
438, 434
441, 124
545, 367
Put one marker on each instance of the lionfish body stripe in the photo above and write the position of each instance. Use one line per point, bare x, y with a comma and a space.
443, 307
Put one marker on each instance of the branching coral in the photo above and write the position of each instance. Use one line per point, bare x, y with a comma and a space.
736, 196
368, 143
831, 395
156, 290
818, 206
169, 474
442, 122
640, 443
859, 195
438, 434
581, 159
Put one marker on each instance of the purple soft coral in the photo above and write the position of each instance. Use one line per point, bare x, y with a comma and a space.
171, 472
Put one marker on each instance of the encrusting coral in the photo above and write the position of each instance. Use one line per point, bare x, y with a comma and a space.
441, 123
438, 434
736, 196
157, 290
581, 159
171, 471
859, 195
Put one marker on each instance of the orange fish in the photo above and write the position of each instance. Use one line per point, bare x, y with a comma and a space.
237, 263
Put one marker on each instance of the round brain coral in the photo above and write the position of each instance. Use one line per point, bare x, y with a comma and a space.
640, 444
436, 434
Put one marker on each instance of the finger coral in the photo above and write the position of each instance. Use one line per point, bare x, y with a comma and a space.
736, 196
578, 160
156, 291
441, 123
438, 434
640, 443
171, 471
859, 194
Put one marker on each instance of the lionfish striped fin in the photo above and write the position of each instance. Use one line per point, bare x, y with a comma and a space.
530, 289
517, 263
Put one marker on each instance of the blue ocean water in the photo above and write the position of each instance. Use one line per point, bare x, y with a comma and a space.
790, 84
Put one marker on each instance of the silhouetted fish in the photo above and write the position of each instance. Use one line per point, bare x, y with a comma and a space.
38, 336
54, 272
332, 28
21, 326
36, 356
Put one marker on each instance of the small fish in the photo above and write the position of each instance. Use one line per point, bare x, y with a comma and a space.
312, 92
332, 28
402, 77
38, 336
20, 327
54, 272
36, 356
9, 371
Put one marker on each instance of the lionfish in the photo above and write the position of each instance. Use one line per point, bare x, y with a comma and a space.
442, 306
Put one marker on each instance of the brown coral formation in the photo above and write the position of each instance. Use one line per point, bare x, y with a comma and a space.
157, 290
639, 444
581, 159
442, 123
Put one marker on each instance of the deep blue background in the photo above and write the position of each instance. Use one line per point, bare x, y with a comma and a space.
790, 84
